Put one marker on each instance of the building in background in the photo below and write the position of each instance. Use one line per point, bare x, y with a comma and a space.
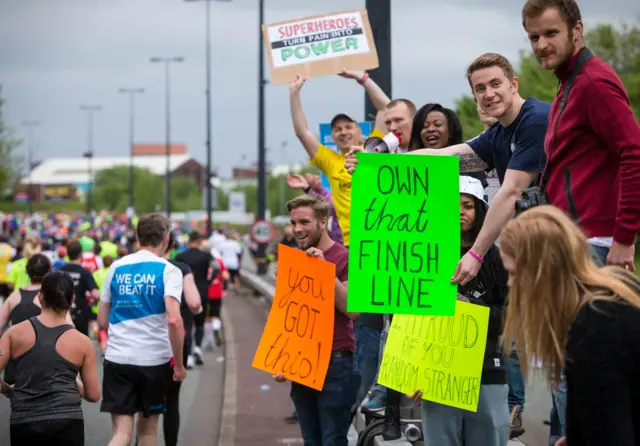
57, 179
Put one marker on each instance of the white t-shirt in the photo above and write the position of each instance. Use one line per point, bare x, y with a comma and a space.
216, 240
136, 286
230, 251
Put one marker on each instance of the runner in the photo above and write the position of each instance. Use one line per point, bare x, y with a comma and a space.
140, 306
86, 289
18, 274
189, 306
44, 410
231, 253
215, 294
199, 262
7, 252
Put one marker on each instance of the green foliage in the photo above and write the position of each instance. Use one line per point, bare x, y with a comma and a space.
276, 184
9, 161
112, 191
618, 47
43, 206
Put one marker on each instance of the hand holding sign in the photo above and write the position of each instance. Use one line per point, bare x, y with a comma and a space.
355, 75
350, 159
298, 337
296, 85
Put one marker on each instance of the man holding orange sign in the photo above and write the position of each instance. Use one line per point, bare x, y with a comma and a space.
309, 337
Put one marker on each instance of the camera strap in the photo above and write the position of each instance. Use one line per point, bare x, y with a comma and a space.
583, 58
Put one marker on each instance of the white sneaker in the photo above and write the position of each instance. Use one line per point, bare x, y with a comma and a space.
191, 362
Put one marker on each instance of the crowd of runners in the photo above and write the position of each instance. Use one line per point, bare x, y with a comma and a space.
99, 276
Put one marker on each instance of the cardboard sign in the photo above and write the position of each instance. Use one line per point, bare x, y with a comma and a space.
298, 336
441, 356
405, 234
320, 45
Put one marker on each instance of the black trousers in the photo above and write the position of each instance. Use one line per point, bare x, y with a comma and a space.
171, 418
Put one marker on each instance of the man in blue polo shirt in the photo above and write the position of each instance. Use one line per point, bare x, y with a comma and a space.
514, 146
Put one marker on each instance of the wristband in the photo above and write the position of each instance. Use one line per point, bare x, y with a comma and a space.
364, 78
475, 256
307, 189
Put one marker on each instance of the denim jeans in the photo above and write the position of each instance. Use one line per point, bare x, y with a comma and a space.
325, 416
515, 379
558, 411
368, 357
451, 426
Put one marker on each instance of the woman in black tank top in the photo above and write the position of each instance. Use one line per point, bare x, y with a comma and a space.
48, 353
22, 305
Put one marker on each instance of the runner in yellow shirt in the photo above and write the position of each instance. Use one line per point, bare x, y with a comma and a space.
6, 254
18, 276
345, 132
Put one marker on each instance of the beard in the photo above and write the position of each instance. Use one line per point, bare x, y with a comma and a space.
312, 239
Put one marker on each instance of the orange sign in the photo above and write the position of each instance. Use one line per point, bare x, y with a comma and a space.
298, 336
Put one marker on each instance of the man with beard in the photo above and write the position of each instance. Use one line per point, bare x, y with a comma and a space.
592, 145
326, 414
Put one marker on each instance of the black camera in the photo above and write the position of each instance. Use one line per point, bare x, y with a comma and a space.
531, 197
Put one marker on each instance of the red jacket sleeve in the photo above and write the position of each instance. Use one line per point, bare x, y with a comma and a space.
612, 119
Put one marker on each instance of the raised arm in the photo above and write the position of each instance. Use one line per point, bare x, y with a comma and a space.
469, 160
378, 97
300, 125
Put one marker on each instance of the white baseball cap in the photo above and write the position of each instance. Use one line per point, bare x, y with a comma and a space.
472, 186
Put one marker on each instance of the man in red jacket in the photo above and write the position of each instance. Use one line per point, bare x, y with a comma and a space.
593, 145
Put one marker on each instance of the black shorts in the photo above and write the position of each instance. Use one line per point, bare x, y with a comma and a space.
131, 389
49, 432
214, 308
80, 317
233, 273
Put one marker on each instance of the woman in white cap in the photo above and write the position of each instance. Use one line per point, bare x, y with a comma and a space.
489, 425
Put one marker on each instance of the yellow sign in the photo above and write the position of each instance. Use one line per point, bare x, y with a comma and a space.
59, 192
441, 356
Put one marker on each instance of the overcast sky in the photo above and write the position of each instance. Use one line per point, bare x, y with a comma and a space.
58, 54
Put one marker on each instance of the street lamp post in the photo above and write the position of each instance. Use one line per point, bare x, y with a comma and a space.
132, 93
30, 125
167, 179
209, 191
90, 109
380, 18
262, 248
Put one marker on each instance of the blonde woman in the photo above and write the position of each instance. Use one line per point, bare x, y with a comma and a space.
572, 316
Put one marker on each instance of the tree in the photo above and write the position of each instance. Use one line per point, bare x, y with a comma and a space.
619, 48
9, 161
112, 191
